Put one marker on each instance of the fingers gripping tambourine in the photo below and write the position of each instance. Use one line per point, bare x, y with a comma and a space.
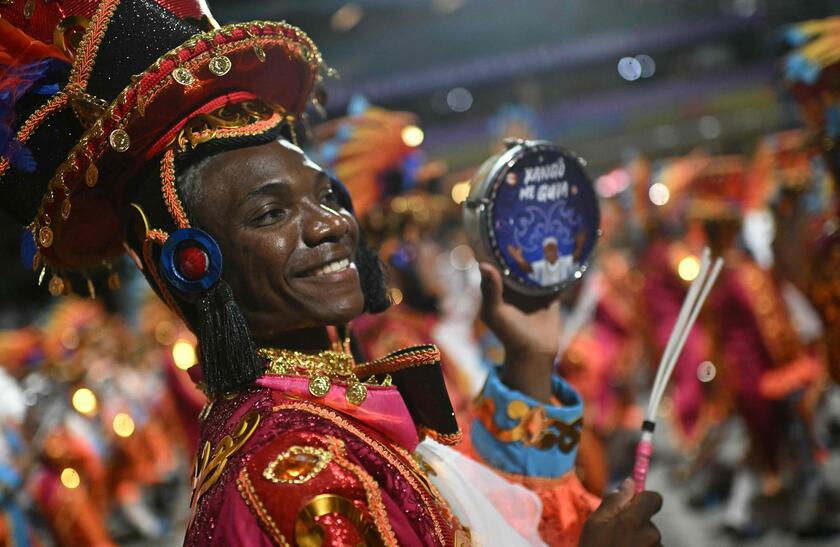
532, 211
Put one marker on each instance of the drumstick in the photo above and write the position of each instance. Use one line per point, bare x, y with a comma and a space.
697, 294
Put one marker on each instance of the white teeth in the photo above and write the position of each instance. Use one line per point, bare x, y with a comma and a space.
333, 267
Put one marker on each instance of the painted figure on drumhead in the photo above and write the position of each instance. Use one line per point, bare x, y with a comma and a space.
554, 268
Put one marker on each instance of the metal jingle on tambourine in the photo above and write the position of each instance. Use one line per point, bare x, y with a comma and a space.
533, 212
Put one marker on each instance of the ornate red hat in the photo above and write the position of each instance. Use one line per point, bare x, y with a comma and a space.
93, 90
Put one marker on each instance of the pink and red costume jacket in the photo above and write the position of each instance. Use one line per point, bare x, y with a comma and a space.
279, 466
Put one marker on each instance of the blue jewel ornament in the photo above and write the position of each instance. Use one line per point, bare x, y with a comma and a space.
191, 260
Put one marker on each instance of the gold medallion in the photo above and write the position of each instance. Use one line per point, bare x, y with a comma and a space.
183, 76
356, 393
220, 65
91, 175
319, 385
29, 9
45, 236
65, 209
119, 140
56, 285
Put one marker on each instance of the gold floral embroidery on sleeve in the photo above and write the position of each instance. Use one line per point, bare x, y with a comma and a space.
211, 463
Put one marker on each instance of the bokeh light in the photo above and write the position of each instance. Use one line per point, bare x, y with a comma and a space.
346, 17
613, 183
647, 64
659, 194
84, 401
629, 68
412, 135
459, 99
706, 371
123, 425
688, 268
70, 478
709, 127
445, 7
460, 192
183, 353
462, 257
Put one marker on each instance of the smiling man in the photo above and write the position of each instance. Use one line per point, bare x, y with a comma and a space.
168, 138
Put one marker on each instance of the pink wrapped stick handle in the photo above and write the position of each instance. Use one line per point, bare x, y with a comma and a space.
643, 453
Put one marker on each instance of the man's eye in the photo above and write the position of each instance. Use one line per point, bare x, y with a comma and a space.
329, 196
270, 216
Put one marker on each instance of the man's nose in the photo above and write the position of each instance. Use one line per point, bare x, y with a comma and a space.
323, 224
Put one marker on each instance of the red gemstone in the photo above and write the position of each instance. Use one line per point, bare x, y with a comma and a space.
193, 263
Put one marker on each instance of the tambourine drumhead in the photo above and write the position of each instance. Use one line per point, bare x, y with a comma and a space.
533, 211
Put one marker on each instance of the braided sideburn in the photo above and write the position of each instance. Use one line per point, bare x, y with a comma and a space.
372, 277
228, 355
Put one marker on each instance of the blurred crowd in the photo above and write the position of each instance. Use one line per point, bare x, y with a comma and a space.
99, 415
99, 424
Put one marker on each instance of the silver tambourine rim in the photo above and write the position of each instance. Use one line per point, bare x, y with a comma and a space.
487, 203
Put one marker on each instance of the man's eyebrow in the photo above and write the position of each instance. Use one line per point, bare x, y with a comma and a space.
269, 188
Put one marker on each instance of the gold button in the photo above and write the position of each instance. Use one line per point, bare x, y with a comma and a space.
29, 9
65, 208
119, 140
220, 65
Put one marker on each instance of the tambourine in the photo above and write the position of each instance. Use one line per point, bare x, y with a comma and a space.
532, 210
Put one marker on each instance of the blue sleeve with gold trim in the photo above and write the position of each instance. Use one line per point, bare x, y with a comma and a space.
518, 434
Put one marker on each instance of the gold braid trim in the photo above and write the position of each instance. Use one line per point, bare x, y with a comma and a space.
374, 498
170, 194
253, 501
414, 358
85, 56
79, 74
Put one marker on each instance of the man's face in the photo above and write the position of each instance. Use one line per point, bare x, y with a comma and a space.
550, 251
288, 246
